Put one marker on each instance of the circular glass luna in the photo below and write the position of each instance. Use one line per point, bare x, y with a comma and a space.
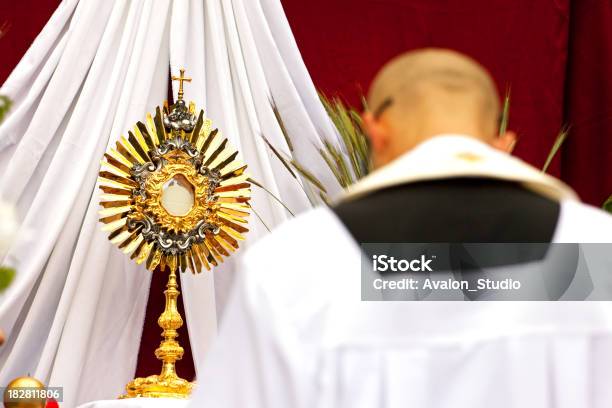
178, 196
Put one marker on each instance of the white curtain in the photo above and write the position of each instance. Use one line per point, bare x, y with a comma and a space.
75, 312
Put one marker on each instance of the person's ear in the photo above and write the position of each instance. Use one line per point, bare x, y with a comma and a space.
375, 131
505, 142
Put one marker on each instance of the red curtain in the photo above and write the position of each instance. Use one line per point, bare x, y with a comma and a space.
24, 19
587, 157
556, 55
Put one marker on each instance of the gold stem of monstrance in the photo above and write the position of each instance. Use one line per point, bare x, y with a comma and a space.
167, 384
169, 351
174, 196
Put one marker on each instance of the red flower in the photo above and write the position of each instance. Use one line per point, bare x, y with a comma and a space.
51, 403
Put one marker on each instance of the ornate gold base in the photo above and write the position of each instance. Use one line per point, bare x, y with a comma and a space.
167, 384
154, 386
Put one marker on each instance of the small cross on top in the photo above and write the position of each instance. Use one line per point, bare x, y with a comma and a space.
181, 79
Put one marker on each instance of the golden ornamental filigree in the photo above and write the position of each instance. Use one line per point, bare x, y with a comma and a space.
174, 196
132, 178
178, 164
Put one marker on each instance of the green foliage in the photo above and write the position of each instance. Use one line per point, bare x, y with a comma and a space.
556, 146
608, 205
349, 161
561, 136
5, 106
6, 277
258, 184
6, 274
505, 115
354, 143
503, 126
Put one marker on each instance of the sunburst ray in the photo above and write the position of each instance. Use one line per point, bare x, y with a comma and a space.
135, 173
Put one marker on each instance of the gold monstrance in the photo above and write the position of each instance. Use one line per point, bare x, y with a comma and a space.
174, 196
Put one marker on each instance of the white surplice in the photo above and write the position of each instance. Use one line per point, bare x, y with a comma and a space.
296, 333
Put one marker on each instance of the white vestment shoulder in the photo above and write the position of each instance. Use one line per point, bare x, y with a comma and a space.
583, 223
296, 334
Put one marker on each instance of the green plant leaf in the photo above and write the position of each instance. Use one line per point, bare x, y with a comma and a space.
259, 217
325, 199
608, 205
279, 156
5, 106
353, 142
6, 277
505, 115
281, 123
348, 161
364, 103
308, 175
258, 184
556, 146
332, 166
336, 159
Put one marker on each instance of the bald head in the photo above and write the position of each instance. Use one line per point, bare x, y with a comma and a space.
423, 93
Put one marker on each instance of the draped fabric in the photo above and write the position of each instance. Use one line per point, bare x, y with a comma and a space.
555, 56
75, 312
